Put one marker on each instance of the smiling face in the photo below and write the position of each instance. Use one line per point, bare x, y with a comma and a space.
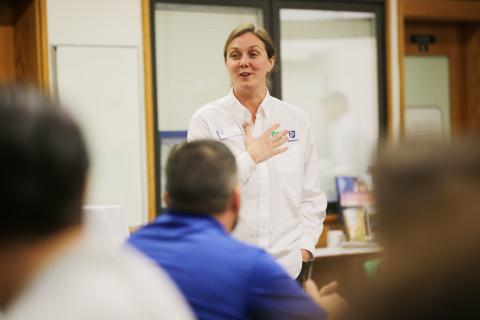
248, 63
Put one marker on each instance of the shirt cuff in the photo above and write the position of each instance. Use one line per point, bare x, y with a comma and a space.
246, 165
309, 245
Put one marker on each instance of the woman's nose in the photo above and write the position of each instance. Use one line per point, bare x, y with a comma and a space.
244, 61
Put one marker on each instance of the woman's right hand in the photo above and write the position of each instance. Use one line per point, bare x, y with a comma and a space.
266, 145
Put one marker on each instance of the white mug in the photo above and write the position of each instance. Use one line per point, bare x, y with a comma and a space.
335, 238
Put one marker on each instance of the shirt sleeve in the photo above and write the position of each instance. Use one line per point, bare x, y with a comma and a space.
199, 129
274, 295
313, 203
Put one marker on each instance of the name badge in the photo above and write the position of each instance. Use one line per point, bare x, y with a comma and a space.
225, 133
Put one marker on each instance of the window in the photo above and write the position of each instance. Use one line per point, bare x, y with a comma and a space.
329, 69
331, 64
190, 69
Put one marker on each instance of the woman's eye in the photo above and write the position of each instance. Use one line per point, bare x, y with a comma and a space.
234, 55
253, 54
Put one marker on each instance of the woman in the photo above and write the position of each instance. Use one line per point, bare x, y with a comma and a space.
282, 205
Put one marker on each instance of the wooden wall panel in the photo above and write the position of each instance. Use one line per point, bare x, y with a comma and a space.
23, 42
401, 59
6, 13
472, 49
443, 10
26, 60
7, 54
7, 50
42, 44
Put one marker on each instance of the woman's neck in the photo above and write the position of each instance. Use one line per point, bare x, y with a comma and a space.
251, 100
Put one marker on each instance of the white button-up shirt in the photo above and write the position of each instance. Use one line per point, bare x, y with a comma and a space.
282, 208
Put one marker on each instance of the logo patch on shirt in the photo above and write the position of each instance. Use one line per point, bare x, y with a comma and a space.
292, 136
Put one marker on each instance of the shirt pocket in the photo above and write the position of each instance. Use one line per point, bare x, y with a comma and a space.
289, 175
290, 161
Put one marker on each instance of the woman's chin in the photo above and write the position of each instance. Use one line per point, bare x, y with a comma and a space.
246, 86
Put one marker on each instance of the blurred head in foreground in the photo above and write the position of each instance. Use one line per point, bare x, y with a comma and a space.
43, 166
48, 267
428, 199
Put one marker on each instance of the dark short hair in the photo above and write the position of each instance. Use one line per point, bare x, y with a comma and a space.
201, 176
43, 165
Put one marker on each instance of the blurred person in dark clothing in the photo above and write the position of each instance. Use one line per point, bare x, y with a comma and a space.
428, 199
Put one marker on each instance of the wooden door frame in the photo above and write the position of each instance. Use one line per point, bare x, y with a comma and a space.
429, 11
147, 12
42, 44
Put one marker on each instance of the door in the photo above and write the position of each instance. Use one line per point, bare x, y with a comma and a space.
441, 78
434, 80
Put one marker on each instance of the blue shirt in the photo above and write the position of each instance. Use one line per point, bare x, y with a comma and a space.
221, 277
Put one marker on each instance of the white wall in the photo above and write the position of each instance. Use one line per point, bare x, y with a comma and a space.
94, 22
105, 24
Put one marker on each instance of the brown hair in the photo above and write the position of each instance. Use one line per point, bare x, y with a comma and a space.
256, 30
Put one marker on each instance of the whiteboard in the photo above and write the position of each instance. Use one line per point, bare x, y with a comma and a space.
101, 87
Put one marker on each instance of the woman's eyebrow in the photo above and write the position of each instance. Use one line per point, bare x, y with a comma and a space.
250, 47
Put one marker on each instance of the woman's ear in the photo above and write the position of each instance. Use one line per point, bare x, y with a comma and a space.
272, 63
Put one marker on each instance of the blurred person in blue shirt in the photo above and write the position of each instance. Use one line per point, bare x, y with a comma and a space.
220, 277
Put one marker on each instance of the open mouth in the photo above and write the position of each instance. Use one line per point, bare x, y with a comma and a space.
245, 74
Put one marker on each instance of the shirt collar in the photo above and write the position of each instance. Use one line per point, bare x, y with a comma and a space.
192, 217
241, 112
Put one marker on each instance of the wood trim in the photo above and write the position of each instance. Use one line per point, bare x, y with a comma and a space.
401, 59
149, 112
331, 218
42, 44
7, 55
444, 10
389, 71
472, 81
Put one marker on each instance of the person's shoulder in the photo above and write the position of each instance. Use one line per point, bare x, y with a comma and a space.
136, 282
141, 285
290, 109
210, 108
93, 283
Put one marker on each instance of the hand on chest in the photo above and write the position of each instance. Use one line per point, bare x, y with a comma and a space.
290, 136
